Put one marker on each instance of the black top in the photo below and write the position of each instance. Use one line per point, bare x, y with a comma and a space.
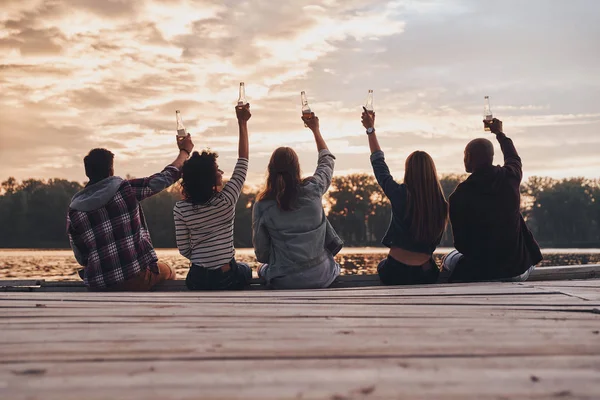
398, 233
487, 223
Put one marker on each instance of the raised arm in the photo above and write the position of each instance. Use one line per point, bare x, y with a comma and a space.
368, 121
313, 124
149, 186
326, 162
380, 167
243, 115
234, 186
512, 161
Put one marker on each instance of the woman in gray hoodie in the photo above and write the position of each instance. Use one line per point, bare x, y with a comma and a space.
291, 233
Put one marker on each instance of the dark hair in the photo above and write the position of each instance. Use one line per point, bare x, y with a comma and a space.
199, 177
283, 179
481, 153
98, 164
426, 201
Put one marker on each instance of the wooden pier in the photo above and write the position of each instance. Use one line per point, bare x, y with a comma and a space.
533, 340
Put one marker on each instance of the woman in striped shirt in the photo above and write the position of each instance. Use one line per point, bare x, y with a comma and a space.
204, 218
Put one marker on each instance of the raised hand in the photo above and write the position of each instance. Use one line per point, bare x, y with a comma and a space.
243, 112
495, 125
368, 119
185, 143
312, 122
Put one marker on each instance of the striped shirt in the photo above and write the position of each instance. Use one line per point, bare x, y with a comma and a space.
204, 232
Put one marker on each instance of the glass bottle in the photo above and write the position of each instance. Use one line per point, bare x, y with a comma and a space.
180, 127
306, 111
242, 98
487, 114
369, 103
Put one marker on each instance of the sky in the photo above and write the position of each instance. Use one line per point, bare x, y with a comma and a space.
80, 74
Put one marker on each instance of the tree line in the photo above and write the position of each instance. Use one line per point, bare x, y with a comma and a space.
560, 212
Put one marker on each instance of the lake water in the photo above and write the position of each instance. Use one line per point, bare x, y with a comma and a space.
61, 265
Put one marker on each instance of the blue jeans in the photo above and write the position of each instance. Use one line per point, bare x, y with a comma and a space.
200, 278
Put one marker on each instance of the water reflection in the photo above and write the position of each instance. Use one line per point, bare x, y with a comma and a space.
60, 264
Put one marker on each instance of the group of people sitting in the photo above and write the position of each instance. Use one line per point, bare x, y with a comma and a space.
292, 236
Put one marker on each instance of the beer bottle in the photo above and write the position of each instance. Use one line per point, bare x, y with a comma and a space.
242, 98
180, 128
306, 111
369, 103
487, 113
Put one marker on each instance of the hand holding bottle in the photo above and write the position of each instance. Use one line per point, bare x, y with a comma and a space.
243, 112
311, 121
368, 118
185, 143
495, 125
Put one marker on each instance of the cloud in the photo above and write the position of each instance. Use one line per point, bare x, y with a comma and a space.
84, 73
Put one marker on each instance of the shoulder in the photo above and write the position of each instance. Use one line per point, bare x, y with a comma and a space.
183, 206
458, 192
180, 204
309, 186
264, 205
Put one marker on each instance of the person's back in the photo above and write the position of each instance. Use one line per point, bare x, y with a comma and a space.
419, 215
204, 220
107, 229
297, 236
489, 230
291, 233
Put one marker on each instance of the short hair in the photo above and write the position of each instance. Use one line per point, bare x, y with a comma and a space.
98, 164
481, 153
199, 177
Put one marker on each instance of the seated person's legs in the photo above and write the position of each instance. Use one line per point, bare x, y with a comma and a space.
146, 279
449, 263
234, 276
262, 270
523, 277
393, 272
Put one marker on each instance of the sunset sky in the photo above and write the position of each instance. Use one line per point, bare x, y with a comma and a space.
81, 74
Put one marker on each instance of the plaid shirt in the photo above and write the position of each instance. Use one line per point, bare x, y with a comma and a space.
112, 243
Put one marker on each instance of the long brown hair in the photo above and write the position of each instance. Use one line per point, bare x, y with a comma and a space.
426, 201
283, 179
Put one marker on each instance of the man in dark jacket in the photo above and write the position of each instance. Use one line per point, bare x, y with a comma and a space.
490, 234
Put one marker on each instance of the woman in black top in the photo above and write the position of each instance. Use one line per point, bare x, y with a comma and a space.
419, 215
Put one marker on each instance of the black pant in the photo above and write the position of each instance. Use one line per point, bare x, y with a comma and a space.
200, 278
393, 272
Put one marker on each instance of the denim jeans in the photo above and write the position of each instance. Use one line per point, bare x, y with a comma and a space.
200, 278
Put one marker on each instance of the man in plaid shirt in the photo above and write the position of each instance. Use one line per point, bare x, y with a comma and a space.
107, 228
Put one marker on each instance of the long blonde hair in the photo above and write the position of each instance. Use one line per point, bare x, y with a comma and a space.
426, 201
283, 179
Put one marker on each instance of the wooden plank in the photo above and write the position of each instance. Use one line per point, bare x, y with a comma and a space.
541, 301
530, 377
439, 341
20, 282
573, 272
587, 271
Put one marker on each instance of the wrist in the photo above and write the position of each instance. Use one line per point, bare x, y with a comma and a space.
370, 130
187, 153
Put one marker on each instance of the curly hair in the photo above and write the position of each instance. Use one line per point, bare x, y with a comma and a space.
199, 177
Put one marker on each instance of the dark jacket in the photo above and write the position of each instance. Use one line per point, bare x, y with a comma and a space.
488, 227
398, 234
